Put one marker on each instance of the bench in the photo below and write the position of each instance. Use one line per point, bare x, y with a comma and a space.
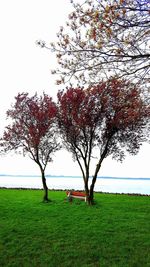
76, 194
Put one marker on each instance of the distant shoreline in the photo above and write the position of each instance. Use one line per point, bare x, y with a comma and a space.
64, 190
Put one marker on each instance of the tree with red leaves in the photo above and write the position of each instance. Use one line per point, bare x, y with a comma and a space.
106, 119
32, 131
104, 38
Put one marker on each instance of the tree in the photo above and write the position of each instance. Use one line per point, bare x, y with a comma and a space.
104, 38
102, 120
32, 131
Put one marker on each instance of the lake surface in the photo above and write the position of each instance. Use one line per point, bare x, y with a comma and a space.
103, 184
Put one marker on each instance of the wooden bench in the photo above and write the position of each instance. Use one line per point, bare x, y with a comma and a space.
76, 194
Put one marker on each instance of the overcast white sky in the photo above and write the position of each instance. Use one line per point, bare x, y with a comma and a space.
24, 67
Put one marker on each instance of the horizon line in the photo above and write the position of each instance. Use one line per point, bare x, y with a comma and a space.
73, 176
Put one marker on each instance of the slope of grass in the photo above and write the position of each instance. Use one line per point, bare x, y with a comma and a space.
115, 232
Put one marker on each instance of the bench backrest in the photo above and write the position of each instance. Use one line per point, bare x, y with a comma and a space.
76, 193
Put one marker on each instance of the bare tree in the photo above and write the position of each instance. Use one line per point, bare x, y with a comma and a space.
103, 39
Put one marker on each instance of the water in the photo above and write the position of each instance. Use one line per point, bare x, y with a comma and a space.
103, 184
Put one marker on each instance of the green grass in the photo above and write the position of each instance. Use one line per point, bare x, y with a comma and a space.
113, 233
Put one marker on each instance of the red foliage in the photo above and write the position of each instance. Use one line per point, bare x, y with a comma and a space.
109, 107
32, 127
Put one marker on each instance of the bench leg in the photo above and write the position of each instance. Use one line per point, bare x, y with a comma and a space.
70, 198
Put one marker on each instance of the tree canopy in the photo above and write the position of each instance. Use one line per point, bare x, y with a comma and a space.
103, 39
106, 119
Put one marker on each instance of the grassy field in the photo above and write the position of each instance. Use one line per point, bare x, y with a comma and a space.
113, 233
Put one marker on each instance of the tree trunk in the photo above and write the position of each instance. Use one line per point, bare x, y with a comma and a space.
91, 193
45, 197
86, 189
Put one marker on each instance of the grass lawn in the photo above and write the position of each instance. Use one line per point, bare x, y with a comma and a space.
113, 233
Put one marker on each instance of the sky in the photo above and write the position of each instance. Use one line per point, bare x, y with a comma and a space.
24, 67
